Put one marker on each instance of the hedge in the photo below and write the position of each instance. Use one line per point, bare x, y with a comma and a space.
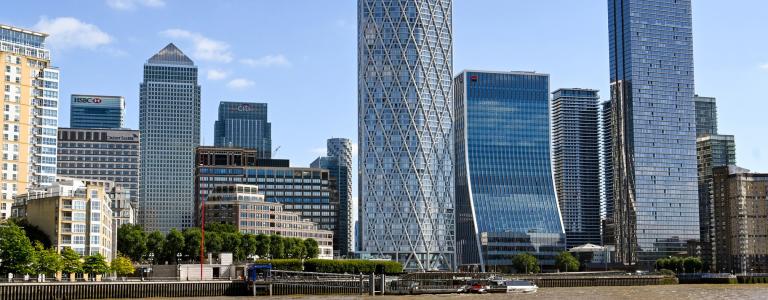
353, 266
283, 264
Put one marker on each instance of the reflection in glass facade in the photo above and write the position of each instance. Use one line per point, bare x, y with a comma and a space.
505, 196
405, 118
651, 57
712, 151
169, 121
576, 155
244, 125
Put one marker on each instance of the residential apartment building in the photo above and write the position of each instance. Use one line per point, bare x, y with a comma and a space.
29, 101
243, 206
339, 166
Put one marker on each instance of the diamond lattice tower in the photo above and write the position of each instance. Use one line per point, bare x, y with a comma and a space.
405, 121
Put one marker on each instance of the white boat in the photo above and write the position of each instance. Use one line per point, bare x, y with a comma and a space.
517, 286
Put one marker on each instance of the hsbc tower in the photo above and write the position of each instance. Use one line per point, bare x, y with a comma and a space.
91, 111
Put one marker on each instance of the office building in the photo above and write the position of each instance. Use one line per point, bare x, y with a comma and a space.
244, 207
72, 214
405, 118
169, 121
712, 151
244, 125
92, 111
706, 115
505, 195
656, 193
339, 166
606, 174
306, 191
741, 220
576, 152
102, 154
30, 101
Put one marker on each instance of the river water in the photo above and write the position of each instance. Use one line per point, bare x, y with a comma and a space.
657, 292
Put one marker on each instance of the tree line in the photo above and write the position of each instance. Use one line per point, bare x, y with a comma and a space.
680, 264
21, 255
176, 246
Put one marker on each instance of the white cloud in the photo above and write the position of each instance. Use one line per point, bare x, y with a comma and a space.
214, 74
267, 61
354, 149
68, 32
132, 4
764, 66
239, 83
205, 48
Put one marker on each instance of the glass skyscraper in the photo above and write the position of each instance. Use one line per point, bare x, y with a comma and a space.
576, 155
713, 151
91, 111
405, 118
606, 173
706, 115
651, 58
244, 125
339, 166
169, 123
505, 196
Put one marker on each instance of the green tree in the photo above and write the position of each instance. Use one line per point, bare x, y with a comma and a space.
71, 261
295, 248
276, 247
213, 242
565, 262
692, 264
155, 242
16, 251
95, 264
248, 246
231, 242
175, 242
33, 232
676, 264
122, 266
192, 238
526, 263
132, 241
263, 243
313, 249
48, 261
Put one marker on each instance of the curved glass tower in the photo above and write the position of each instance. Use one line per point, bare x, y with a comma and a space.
656, 211
405, 117
505, 194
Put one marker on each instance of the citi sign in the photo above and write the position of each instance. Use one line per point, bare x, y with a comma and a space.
95, 100
242, 107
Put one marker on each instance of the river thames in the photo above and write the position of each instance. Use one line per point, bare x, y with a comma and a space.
656, 292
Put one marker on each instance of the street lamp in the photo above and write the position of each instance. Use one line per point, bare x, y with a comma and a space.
178, 258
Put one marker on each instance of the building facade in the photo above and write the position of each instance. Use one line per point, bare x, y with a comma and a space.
505, 196
30, 101
92, 111
576, 156
652, 84
606, 173
169, 121
306, 191
72, 214
405, 118
741, 220
706, 115
102, 154
712, 151
244, 125
244, 207
339, 166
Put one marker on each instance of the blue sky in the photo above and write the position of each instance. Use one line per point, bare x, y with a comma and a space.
300, 56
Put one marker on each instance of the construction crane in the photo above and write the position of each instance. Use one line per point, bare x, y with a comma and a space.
275, 152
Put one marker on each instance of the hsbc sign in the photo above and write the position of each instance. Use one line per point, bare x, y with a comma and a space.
87, 100
95, 100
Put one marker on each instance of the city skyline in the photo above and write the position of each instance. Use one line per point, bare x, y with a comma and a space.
272, 61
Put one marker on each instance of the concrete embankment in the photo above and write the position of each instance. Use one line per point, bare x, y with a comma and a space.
129, 289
